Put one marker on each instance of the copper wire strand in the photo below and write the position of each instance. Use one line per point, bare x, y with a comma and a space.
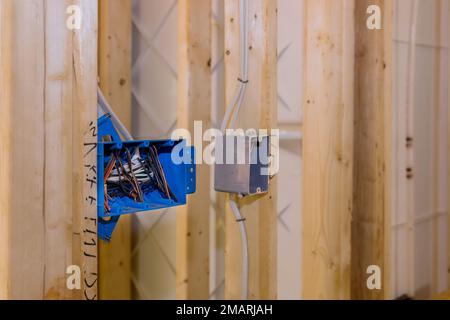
152, 167
108, 171
133, 177
163, 176
124, 174
152, 164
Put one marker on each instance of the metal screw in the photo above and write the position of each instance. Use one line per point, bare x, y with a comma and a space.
409, 142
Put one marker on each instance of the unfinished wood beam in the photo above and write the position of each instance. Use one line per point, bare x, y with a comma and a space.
372, 150
437, 136
448, 158
327, 148
115, 40
6, 158
258, 111
194, 104
48, 113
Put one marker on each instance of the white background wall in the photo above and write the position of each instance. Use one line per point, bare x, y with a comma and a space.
154, 113
154, 110
419, 224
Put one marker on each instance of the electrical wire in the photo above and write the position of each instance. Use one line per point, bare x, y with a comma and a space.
245, 270
235, 105
135, 172
137, 168
232, 113
106, 108
128, 175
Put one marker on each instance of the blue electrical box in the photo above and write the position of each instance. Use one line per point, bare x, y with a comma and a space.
162, 182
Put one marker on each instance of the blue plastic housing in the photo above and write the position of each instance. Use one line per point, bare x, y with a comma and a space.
181, 178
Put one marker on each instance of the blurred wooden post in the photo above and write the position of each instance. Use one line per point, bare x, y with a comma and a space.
328, 148
194, 104
373, 143
448, 157
115, 40
258, 111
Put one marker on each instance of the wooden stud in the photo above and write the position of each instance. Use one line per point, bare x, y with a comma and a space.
258, 111
328, 148
48, 115
436, 152
194, 101
448, 164
372, 150
84, 110
5, 148
115, 42
407, 158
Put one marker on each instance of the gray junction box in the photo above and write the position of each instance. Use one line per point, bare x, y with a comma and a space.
242, 164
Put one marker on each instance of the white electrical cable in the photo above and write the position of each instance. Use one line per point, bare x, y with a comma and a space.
106, 108
291, 135
136, 168
244, 62
245, 276
236, 104
233, 110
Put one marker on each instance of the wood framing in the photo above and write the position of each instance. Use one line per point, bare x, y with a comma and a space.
437, 137
115, 40
259, 111
194, 104
48, 112
448, 160
327, 148
372, 150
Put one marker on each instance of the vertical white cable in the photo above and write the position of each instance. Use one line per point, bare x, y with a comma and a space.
243, 4
245, 270
236, 103
103, 104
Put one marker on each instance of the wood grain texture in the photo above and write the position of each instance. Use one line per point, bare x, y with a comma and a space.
258, 111
23, 167
445, 296
448, 164
48, 106
372, 150
84, 111
194, 104
327, 149
434, 287
5, 146
115, 42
